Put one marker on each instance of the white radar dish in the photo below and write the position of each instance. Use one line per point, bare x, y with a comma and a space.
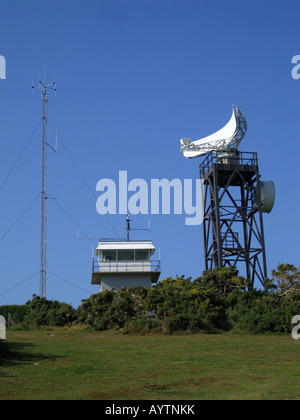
226, 139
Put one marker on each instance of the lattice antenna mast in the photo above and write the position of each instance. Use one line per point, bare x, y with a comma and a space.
44, 87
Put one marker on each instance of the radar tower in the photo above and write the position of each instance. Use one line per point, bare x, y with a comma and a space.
234, 200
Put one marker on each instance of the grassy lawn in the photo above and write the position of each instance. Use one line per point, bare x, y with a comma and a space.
77, 364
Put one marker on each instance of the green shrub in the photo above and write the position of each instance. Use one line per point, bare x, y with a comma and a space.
220, 299
43, 312
110, 309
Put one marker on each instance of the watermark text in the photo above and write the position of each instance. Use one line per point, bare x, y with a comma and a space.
296, 329
161, 196
296, 68
2, 67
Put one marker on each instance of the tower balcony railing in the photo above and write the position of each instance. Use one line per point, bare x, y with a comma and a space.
228, 158
125, 266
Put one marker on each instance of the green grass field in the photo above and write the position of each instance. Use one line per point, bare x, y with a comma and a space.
75, 364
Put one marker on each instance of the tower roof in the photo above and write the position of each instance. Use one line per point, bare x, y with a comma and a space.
111, 245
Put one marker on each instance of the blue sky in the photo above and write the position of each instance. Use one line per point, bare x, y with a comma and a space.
133, 77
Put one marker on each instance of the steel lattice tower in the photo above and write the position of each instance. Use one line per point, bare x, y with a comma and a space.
234, 200
43, 262
233, 213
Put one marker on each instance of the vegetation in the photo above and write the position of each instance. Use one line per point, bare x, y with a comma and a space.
14, 314
43, 312
80, 347
219, 300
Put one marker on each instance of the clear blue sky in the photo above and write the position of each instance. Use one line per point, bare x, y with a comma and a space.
133, 77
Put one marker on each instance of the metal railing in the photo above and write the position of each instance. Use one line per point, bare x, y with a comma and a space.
230, 241
228, 158
125, 266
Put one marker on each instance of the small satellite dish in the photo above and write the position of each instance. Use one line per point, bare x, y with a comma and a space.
225, 140
267, 195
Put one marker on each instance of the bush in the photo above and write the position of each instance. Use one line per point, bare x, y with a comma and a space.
172, 305
110, 309
260, 312
43, 312
220, 299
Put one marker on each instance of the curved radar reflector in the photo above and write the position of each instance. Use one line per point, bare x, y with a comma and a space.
267, 195
226, 139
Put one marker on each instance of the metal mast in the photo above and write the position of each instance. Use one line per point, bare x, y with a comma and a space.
44, 87
128, 228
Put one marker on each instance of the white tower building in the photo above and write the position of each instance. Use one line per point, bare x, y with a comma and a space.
127, 263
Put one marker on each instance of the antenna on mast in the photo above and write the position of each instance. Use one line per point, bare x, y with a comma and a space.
128, 228
128, 220
44, 87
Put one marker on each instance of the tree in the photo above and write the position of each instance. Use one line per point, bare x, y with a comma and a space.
110, 309
287, 279
50, 313
224, 279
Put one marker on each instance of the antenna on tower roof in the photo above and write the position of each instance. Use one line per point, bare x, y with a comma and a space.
128, 228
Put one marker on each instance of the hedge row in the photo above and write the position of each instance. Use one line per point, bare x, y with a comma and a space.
219, 300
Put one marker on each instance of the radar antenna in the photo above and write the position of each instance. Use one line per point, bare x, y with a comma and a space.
225, 140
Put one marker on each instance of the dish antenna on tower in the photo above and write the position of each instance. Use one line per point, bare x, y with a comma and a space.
226, 139
234, 199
